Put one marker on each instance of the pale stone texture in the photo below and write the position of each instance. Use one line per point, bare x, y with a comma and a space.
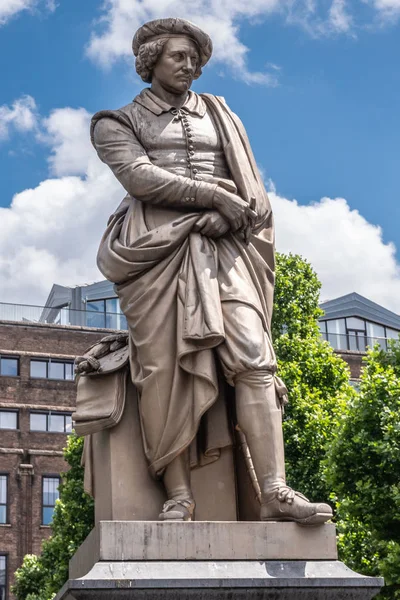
221, 561
176, 541
125, 490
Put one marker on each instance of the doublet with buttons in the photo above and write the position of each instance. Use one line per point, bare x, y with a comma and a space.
184, 143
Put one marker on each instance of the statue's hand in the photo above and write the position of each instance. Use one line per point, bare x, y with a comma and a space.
235, 210
212, 224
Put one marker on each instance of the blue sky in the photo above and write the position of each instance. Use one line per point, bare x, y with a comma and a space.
317, 89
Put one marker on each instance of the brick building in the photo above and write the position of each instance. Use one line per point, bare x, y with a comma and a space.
37, 397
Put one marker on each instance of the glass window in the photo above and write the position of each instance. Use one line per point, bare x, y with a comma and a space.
112, 305
56, 423
49, 369
123, 322
38, 421
322, 328
355, 384
95, 305
96, 320
68, 424
357, 340
51, 421
337, 334
56, 370
9, 366
355, 323
49, 497
69, 371
96, 313
3, 498
39, 368
392, 334
8, 419
105, 314
376, 335
3, 576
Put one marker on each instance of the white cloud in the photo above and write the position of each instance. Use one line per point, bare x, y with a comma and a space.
387, 9
21, 115
339, 18
50, 233
10, 8
113, 36
66, 131
346, 250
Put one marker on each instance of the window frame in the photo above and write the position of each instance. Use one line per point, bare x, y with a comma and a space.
5, 555
356, 334
12, 357
118, 314
48, 414
10, 410
48, 362
7, 504
42, 505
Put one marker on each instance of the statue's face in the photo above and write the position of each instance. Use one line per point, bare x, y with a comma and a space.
177, 65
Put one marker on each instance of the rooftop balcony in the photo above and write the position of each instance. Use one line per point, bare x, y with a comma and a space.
91, 317
354, 342
94, 317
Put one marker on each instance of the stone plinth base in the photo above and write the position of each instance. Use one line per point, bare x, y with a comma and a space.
212, 561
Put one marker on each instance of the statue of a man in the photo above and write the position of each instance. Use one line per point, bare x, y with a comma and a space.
191, 251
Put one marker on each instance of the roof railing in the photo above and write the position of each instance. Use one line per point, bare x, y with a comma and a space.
25, 313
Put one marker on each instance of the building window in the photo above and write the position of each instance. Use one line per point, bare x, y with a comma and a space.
8, 419
56, 422
3, 576
3, 498
49, 496
336, 334
353, 333
105, 314
52, 369
9, 366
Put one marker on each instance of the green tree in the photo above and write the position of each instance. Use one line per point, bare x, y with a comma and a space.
364, 467
316, 377
41, 577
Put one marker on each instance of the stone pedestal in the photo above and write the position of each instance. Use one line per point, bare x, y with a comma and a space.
212, 560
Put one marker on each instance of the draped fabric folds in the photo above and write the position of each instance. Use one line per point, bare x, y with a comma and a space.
171, 282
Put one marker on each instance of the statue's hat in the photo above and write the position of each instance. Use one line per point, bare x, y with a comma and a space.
173, 27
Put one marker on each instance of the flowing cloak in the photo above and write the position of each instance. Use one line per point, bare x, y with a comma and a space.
168, 279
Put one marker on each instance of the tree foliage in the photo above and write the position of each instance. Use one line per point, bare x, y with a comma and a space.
317, 378
364, 467
39, 578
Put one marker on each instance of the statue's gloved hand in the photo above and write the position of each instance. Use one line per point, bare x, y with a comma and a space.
211, 224
234, 209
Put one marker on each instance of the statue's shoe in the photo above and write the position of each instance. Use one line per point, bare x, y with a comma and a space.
284, 504
177, 510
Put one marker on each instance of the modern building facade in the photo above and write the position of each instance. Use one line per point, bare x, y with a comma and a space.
37, 398
352, 323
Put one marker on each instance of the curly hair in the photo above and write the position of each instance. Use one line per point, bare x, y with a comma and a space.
147, 58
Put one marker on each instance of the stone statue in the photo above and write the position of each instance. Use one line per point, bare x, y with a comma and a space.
191, 251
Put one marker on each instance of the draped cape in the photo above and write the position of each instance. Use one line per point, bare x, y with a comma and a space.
168, 282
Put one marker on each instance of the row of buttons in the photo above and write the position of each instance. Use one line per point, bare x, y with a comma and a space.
182, 116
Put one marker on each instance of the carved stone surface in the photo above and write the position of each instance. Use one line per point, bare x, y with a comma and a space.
225, 561
175, 541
